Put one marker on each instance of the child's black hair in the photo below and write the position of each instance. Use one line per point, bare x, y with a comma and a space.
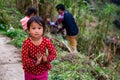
31, 10
38, 20
60, 6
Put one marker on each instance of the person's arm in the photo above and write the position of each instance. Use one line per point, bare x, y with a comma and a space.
58, 21
44, 58
61, 29
51, 51
26, 60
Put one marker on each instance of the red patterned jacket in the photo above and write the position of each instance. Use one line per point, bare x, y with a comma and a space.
29, 50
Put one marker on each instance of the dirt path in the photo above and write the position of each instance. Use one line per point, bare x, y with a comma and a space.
10, 65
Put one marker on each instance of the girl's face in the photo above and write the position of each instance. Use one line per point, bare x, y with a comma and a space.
36, 30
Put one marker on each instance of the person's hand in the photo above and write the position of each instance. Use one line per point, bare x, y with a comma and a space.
44, 58
48, 19
39, 58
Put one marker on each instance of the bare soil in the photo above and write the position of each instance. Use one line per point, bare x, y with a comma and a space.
10, 61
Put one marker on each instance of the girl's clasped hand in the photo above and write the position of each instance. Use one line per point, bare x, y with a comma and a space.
41, 58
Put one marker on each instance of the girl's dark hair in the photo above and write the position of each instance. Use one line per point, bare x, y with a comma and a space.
31, 10
60, 6
36, 19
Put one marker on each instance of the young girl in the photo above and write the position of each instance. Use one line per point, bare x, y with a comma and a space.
30, 12
36, 62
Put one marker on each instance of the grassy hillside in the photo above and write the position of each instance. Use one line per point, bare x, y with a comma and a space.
98, 40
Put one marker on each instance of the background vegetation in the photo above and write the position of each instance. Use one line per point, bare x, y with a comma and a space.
98, 39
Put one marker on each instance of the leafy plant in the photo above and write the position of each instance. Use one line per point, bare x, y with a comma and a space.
18, 36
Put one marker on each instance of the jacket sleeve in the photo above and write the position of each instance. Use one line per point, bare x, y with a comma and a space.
58, 21
51, 51
26, 60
